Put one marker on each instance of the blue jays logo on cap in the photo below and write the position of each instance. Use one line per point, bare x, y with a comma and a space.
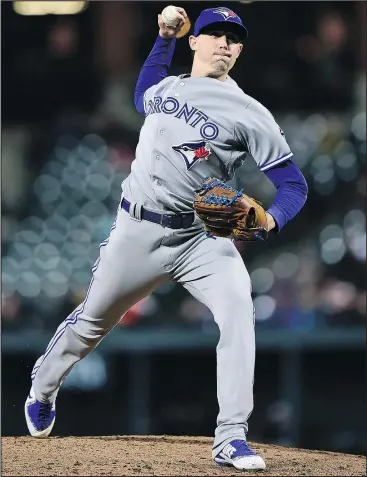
220, 15
193, 151
225, 13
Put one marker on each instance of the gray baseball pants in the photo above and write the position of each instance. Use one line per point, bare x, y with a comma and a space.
137, 258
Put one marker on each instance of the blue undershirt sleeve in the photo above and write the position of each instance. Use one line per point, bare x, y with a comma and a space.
154, 70
291, 192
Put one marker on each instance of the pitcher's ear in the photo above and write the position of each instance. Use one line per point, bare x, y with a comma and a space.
193, 42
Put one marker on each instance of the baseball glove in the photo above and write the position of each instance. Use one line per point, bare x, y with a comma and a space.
227, 212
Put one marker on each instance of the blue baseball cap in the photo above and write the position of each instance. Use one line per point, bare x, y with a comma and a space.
222, 15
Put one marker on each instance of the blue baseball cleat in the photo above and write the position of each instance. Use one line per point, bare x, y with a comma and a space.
239, 454
40, 416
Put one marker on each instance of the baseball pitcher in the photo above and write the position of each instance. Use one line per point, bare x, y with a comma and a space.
178, 220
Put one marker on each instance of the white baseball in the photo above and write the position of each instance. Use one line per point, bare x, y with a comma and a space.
171, 16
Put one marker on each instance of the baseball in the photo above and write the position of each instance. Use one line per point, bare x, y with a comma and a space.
170, 16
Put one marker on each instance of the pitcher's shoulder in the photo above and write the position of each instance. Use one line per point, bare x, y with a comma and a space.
158, 88
166, 82
245, 99
256, 108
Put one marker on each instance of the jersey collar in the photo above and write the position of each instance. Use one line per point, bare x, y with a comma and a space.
228, 79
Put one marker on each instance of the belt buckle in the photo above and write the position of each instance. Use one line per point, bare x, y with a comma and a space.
187, 220
180, 220
174, 221
183, 220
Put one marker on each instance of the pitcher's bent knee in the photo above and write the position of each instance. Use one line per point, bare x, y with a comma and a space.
91, 330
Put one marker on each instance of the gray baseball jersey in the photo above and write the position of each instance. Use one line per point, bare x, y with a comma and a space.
194, 127
198, 127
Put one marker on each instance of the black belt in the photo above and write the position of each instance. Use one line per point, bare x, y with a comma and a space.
182, 220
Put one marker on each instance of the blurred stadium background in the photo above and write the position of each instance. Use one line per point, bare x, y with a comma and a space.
69, 132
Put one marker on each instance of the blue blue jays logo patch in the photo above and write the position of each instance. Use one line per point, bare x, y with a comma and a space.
192, 152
